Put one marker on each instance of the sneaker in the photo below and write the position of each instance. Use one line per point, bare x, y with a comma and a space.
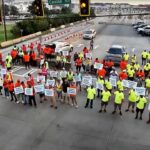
100, 111
17, 102
22, 102
136, 117
85, 106
120, 113
113, 112
105, 110
55, 107
76, 106
91, 107
148, 122
127, 110
132, 111
140, 118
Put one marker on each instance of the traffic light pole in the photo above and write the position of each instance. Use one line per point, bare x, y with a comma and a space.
3, 14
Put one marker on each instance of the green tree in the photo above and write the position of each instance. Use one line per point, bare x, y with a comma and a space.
6, 10
66, 10
14, 10
31, 9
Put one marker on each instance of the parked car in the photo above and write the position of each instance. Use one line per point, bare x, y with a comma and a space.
140, 26
144, 30
141, 29
138, 23
89, 34
115, 53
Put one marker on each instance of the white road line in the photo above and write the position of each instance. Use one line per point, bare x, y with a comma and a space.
80, 45
16, 69
96, 46
34, 70
17, 75
27, 73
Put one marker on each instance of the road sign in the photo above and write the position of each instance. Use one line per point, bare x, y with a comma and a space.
58, 2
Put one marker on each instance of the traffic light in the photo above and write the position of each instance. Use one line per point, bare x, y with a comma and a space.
84, 7
38, 8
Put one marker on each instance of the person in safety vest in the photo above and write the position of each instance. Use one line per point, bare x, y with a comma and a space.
105, 99
146, 69
148, 56
147, 86
91, 92
144, 57
132, 100
26, 59
131, 74
78, 64
133, 59
126, 57
123, 64
140, 106
11, 91
101, 72
119, 97
123, 75
108, 85
70, 76
100, 81
140, 74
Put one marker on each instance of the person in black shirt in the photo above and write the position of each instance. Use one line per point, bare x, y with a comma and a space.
65, 85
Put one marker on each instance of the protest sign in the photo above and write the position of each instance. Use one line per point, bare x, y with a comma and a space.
113, 81
71, 91
99, 86
40, 78
50, 82
77, 78
87, 81
89, 55
140, 91
18, 90
39, 88
3, 71
63, 74
132, 84
129, 83
65, 53
98, 66
49, 92
29, 91
125, 83
53, 74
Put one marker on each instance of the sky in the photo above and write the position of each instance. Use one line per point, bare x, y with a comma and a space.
135, 2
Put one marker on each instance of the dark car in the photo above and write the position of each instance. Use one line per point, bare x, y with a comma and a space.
115, 53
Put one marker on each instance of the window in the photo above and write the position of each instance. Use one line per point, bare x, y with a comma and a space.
88, 32
115, 51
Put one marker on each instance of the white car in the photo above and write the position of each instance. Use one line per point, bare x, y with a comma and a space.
62, 46
89, 34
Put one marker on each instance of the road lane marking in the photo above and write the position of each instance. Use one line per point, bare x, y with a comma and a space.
27, 73
80, 45
16, 69
96, 46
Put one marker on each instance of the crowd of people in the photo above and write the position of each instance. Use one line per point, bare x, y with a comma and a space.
64, 85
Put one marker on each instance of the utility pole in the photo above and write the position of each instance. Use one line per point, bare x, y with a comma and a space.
4, 21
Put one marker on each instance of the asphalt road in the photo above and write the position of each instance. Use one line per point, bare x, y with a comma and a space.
26, 128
